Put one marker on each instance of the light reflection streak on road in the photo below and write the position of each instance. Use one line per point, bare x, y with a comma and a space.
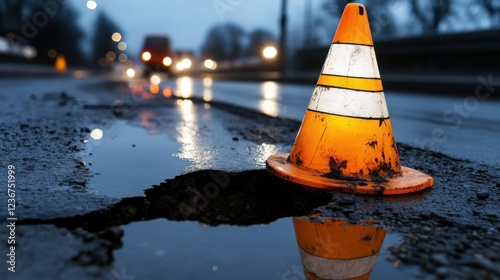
192, 146
268, 104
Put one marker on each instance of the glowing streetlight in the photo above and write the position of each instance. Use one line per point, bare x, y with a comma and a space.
116, 37
111, 55
269, 52
122, 57
91, 5
122, 46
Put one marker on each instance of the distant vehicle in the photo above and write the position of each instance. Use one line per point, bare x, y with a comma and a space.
185, 60
157, 54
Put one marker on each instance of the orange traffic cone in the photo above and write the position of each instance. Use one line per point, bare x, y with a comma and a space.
346, 140
60, 64
335, 249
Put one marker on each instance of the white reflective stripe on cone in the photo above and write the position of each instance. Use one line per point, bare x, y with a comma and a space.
351, 60
337, 268
349, 103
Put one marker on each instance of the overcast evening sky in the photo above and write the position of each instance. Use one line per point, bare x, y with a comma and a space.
187, 21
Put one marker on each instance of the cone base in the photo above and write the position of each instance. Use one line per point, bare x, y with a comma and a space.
411, 181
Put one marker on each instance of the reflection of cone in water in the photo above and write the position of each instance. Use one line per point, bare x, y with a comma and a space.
60, 63
335, 249
346, 140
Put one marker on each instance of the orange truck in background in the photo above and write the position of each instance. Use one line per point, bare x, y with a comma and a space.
157, 54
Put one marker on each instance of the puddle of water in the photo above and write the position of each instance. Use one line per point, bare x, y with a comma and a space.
130, 159
127, 158
162, 249
385, 269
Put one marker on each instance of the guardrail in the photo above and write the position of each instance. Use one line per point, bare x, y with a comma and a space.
471, 52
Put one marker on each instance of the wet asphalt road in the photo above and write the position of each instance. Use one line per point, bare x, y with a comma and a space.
184, 125
461, 127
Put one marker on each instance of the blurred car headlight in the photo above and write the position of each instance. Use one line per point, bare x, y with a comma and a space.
130, 72
167, 61
179, 65
155, 80
146, 56
186, 62
210, 64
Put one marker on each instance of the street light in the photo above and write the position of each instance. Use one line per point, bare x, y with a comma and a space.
116, 37
111, 55
269, 52
122, 57
122, 46
91, 5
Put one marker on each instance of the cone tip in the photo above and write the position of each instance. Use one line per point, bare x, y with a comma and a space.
353, 26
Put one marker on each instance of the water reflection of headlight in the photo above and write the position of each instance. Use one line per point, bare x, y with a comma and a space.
269, 90
207, 81
185, 86
269, 107
167, 92
207, 94
155, 80
207, 89
154, 89
266, 150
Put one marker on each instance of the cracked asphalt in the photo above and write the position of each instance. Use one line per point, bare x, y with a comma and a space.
67, 230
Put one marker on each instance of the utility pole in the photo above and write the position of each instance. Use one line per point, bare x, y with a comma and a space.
282, 46
307, 24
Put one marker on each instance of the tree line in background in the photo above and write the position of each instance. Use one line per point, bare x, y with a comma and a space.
406, 17
51, 27
229, 41
387, 18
